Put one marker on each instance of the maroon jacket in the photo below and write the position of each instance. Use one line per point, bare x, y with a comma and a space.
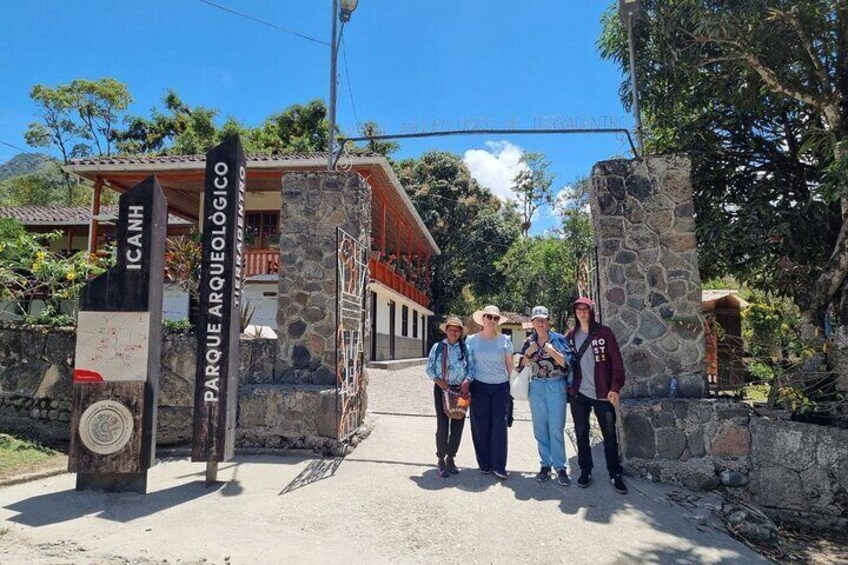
609, 366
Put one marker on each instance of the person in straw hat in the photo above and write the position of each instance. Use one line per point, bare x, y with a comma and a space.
447, 366
489, 367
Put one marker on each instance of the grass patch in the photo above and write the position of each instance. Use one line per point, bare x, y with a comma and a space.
19, 456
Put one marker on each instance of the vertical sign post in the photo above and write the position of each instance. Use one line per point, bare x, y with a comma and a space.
119, 339
216, 385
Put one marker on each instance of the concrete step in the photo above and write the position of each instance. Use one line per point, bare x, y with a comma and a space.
397, 364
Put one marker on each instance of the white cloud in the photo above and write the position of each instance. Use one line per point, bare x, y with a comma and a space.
496, 166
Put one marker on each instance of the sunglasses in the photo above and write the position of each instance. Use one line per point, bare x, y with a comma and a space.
493, 317
584, 309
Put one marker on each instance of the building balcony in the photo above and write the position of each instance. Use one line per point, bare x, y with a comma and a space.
261, 262
382, 273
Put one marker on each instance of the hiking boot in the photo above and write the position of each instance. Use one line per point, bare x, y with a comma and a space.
449, 462
443, 469
585, 478
562, 478
618, 484
543, 475
502, 475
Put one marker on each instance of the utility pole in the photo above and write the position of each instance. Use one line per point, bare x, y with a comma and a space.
332, 109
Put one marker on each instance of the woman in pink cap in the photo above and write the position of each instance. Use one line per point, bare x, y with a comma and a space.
598, 378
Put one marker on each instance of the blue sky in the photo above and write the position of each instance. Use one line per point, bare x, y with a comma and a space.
413, 65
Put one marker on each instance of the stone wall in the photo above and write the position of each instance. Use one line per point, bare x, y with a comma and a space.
314, 205
650, 286
35, 386
697, 444
796, 472
800, 472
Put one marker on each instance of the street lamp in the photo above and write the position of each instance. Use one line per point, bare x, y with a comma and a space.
347, 8
628, 11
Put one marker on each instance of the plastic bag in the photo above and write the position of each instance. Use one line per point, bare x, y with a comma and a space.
519, 383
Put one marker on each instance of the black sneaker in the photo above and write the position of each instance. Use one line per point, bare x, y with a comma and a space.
502, 475
618, 484
443, 469
543, 475
486, 471
562, 478
585, 478
451, 465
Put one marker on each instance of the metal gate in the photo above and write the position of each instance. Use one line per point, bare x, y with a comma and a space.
351, 276
589, 279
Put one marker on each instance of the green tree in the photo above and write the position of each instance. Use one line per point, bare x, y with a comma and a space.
180, 130
532, 187
77, 119
384, 148
756, 91
539, 270
471, 226
300, 128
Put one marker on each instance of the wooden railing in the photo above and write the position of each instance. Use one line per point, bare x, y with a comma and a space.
383, 274
261, 262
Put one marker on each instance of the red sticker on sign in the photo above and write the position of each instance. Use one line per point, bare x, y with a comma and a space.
86, 376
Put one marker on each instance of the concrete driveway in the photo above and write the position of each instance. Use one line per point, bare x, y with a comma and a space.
384, 503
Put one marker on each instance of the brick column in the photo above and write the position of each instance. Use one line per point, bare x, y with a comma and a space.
314, 205
643, 217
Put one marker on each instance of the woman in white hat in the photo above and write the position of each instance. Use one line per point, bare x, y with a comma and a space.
551, 358
447, 366
489, 367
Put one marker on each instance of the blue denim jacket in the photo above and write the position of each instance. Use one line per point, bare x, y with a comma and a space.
457, 364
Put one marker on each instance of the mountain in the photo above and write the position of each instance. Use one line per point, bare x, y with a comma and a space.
23, 164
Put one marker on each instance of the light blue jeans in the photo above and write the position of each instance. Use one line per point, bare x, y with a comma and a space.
547, 407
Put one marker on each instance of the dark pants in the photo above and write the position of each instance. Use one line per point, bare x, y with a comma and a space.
581, 407
489, 411
448, 431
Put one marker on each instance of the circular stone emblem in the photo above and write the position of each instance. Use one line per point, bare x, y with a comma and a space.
105, 427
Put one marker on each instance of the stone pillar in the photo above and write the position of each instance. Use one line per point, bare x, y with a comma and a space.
650, 286
314, 205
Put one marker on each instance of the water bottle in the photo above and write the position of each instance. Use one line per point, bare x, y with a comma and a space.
673, 386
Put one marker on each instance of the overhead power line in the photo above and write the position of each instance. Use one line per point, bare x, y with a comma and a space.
347, 74
264, 22
13, 146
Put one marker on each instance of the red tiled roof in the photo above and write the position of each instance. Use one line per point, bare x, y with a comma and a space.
175, 159
65, 215
515, 318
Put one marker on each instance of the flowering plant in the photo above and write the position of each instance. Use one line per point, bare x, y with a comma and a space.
30, 271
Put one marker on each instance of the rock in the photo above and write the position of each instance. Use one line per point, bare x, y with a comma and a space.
670, 443
640, 438
732, 441
733, 478
699, 475
650, 327
695, 444
296, 329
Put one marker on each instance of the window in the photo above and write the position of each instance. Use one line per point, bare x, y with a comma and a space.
404, 321
507, 331
414, 324
262, 229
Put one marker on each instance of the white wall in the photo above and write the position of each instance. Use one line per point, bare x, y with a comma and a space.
263, 297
